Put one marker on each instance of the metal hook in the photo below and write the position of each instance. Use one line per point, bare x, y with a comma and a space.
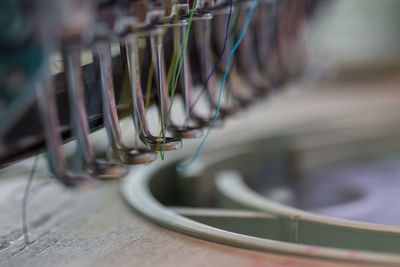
79, 119
47, 104
164, 100
103, 59
138, 111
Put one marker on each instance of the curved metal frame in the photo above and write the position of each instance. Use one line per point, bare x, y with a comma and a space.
136, 191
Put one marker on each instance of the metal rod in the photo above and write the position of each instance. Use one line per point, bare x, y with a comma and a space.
47, 105
102, 54
79, 118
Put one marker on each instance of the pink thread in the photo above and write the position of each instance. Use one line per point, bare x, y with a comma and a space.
257, 261
353, 254
311, 250
286, 263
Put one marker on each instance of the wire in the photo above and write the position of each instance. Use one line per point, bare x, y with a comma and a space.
248, 20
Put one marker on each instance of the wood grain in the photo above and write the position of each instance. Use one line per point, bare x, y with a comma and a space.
96, 228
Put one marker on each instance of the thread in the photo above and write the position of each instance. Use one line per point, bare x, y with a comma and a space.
177, 71
174, 61
218, 61
25, 201
248, 20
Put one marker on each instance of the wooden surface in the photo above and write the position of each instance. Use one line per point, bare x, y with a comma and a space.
97, 228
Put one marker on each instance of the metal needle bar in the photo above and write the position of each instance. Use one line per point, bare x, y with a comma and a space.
47, 104
203, 44
102, 56
246, 58
164, 100
138, 111
79, 118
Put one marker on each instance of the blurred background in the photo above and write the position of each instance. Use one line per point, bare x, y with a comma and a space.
355, 36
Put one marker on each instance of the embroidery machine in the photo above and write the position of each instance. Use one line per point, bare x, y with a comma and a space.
70, 69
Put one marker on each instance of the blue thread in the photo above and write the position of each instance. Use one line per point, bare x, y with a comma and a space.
249, 16
218, 61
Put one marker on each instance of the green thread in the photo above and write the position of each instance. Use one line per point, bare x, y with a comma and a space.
177, 71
